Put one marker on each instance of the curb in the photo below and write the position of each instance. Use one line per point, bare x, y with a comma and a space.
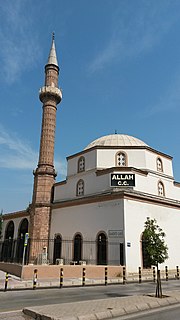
109, 313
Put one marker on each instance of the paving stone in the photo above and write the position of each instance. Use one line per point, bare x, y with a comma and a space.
90, 316
103, 315
154, 304
142, 306
131, 309
118, 312
172, 300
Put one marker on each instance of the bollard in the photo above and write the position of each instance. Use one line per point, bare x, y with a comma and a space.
6, 281
35, 279
139, 274
61, 277
177, 268
166, 271
106, 276
124, 275
84, 277
154, 274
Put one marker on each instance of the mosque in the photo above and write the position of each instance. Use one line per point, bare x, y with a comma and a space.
96, 216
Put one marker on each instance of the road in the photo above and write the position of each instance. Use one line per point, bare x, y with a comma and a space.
17, 300
165, 313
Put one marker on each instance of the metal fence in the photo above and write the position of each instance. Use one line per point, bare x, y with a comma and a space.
56, 251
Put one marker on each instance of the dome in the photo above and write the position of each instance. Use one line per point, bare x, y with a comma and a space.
117, 140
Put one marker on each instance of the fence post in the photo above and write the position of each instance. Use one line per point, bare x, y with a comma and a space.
61, 277
84, 277
124, 275
166, 270
154, 274
139, 274
177, 268
106, 275
35, 279
6, 281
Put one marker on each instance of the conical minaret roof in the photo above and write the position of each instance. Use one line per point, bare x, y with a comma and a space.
52, 55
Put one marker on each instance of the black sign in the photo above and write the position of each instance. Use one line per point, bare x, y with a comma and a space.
122, 180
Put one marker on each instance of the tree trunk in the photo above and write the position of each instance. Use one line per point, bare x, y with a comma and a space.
158, 285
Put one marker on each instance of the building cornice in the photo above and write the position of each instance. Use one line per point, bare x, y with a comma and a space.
100, 172
17, 214
114, 195
120, 148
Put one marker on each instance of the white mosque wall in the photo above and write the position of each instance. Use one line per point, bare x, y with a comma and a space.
151, 162
101, 183
106, 158
167, 218
90, 162
89, 220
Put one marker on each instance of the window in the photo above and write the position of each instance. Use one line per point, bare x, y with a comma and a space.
9, 234
80, 188
121, 159
102, 249
161, 192
77, 255
81, 164
57, 248
159, 165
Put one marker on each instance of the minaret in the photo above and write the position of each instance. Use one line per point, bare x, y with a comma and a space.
44, 175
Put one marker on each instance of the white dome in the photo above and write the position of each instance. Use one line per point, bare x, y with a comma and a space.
117, 140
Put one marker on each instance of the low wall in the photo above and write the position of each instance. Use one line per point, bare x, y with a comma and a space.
53, 271
12, 268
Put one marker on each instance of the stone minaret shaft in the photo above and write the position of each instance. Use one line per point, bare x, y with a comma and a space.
44, 175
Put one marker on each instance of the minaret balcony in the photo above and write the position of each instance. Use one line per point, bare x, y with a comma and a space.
48, 92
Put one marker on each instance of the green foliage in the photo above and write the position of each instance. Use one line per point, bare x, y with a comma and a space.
155, 247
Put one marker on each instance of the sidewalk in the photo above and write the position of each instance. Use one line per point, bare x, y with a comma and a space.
101, 309
15, 283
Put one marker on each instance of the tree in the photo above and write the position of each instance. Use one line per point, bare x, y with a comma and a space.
1, 222
155, 248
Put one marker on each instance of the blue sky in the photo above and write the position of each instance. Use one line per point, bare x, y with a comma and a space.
119, 70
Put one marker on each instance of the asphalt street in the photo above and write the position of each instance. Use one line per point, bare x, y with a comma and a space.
17, 300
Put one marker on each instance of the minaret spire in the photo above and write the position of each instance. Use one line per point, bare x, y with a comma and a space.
44, 175
52, 59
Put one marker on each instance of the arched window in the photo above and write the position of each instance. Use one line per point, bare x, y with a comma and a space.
145, 255
159, 165
9, 234
102, 249
161, 191
80, 188
81, 164
23, 229
121, 159
77, 255
57, 248
7, 254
